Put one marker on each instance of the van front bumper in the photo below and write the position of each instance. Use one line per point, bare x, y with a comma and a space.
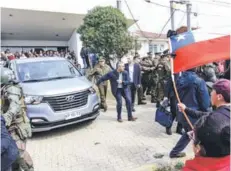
47, 126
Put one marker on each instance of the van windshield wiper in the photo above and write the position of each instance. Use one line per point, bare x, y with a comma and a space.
57, 78
48, 79
34, 80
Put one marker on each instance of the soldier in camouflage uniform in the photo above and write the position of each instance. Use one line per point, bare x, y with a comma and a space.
99, 70
147, 66
208, 73
154, 79
140, 94
13, 110
163, 71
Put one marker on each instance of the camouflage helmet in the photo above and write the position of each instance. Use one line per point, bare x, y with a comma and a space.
7, 75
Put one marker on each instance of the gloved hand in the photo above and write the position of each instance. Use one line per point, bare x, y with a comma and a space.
164, 102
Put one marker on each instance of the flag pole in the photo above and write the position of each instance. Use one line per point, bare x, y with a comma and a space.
176, 92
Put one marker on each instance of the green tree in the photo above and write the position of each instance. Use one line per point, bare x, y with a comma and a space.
105, 32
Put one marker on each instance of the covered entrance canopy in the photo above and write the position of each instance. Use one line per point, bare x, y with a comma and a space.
18, 24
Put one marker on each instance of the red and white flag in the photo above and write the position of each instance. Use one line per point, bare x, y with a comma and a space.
199, 47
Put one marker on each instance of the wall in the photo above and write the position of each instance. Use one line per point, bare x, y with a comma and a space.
72, 43
79, 47
33, 43
75, 44
145, 46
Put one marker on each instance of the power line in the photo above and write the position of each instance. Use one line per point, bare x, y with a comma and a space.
148, 1
161, 32
224, 2
135, 20
182, 19
213, 3
211, 15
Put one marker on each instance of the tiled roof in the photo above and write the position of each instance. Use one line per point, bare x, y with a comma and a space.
150, 35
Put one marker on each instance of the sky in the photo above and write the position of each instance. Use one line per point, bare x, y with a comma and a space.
152, 18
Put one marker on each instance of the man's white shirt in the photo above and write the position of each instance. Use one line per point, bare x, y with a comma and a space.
131, 71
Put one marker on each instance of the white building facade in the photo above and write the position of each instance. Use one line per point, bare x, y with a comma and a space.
26, 29
38, 25
42, 25
150, 42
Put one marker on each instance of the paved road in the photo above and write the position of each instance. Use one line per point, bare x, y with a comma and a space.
103, 145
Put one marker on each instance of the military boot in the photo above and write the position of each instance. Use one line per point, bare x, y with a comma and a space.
153, 100
105, 108
169, 131
157, 104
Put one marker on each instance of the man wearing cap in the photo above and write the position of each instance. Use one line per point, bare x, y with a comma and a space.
211, 143
163, 72
220, 98
154, 78
211, 135
99, 70
147, 66
194, 93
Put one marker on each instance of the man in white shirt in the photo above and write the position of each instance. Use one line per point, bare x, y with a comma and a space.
120, 82
134, 72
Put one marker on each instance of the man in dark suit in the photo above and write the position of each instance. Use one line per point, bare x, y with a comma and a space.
134, 72
84, 53
120, 81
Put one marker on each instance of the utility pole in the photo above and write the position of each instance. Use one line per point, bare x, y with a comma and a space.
189, 9
118, 4
172, 14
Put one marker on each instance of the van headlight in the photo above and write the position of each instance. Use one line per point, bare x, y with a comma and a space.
29, 99
91, 90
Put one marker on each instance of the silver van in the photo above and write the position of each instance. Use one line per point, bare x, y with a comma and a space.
56, 93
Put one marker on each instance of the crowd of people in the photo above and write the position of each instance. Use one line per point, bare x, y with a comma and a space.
211, 118
8, 55
204, 93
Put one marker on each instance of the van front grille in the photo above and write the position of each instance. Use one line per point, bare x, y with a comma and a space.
68, 101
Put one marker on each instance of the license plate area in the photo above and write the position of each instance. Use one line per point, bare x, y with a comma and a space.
72, 115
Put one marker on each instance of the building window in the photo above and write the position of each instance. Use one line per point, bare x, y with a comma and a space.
162, 48
155, 48
150, 48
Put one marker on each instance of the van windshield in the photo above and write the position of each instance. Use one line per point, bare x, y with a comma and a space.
46, 70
